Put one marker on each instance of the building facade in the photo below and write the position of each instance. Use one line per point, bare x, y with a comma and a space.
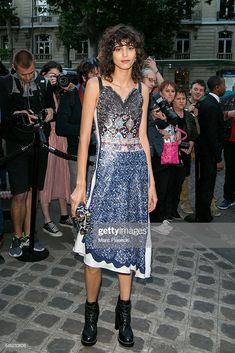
36, 29
205, 46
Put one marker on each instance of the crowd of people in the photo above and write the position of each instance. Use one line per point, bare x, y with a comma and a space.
135, 135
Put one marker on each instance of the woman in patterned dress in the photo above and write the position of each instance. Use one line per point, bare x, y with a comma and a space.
122, 190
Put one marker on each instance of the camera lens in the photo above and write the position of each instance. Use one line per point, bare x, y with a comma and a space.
63, 80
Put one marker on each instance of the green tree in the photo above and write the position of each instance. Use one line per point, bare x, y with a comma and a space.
158, 20
7, 18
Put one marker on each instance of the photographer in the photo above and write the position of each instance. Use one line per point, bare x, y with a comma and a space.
164, 174
26, 95
57, 168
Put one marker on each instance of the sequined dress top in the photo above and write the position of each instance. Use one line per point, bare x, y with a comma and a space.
119, 234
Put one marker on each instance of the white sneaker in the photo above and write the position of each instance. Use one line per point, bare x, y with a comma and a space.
167, 224
164, 228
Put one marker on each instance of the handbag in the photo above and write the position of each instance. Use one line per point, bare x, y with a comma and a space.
170, 153
81, 222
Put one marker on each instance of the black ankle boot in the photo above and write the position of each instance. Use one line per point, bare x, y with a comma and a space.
123, 323
89, 333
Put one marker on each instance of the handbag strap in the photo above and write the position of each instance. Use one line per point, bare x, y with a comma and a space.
183, 132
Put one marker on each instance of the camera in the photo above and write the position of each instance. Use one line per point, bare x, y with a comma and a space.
164, 106
62, 80
21, 119
184, 145
41, 115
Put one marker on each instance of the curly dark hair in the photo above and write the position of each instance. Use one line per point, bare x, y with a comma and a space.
117, 35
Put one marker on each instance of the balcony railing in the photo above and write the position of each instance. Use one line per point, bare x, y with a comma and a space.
43, 56
43, 21
225, 56
182, 56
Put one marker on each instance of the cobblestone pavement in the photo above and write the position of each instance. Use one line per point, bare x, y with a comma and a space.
188, 306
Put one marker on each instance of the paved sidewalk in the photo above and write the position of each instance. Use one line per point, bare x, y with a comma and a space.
188, 306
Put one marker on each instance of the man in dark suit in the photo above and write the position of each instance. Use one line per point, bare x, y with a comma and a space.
209, 146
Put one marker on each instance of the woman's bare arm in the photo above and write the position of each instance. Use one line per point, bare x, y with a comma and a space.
88, 110
145, 143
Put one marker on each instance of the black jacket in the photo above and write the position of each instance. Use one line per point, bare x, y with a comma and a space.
68, 120
211, 122
13, 98
154, 136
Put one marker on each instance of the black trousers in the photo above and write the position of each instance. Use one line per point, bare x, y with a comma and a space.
205, 189
229, 158
165, 178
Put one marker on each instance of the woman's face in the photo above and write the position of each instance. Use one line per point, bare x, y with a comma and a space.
179, 102
168, 93
124, 56
52, 75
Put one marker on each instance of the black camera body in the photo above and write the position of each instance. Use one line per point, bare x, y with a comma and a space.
41, 115
22, 119
184, 145
164, 106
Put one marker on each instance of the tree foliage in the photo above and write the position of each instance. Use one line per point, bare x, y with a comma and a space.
7, 11
7, 18
158, 20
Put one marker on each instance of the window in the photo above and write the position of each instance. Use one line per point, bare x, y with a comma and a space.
43, 47
82, 49
41, 8
227, 9
4, 53
4, 42
182, 46
225, 45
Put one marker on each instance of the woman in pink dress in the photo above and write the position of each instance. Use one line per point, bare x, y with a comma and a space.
57, 181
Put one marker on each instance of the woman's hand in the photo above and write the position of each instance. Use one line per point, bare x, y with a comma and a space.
78, 196
31, 117
165, 134
188, 150
178, 136
192, 109
152, 198
157, 114
151, 63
